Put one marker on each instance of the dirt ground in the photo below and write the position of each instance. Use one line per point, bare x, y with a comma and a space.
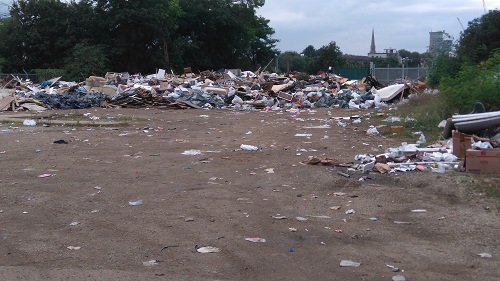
224, 195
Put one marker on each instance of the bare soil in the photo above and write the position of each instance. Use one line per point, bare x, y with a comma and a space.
224, 195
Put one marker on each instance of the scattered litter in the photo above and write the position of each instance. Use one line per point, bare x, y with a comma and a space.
61, 142
348, 263
303, 135
419, 211
393, 268
300, 218
74, 248
398, 278
29, 122
372, 131
343, 174
46, 175
269, 170
74, 223
339, 194
256, 240
151, 263
325, 161
248, 147
350, 211
404, 222
373, 219
485, 255
292, 229
335, 208
192, 152
321, 217
279, 217
189, 219
207, 249
135, 203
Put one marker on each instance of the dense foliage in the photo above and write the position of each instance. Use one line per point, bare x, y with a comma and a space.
472, 74
94, 36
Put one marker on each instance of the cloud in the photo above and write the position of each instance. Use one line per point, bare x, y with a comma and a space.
400, 25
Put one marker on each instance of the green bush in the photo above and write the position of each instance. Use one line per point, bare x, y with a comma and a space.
480, 83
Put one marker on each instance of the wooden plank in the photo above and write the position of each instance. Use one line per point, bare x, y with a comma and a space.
5, 102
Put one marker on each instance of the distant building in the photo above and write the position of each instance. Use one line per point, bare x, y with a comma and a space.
439, 41
387, 52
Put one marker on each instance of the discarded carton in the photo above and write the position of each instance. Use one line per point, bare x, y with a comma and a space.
485, 161
461, 143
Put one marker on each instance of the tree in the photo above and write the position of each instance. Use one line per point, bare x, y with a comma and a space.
85, 60
262, 46
442, 66
35, 35
292, 61
413, 58
139, 32
481, 38
391, 61
474, 83
310, 51
224, 33
328, 56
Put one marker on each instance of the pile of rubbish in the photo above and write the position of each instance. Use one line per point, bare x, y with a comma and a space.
208, 89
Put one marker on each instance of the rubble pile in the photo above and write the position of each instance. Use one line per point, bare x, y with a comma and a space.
208, 89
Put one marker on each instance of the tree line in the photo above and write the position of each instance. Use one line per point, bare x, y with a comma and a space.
79, 38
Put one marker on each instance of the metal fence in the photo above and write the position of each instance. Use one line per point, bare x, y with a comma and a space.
389, 75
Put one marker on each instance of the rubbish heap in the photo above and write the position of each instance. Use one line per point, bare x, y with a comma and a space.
476, 139
208, 89
472, 144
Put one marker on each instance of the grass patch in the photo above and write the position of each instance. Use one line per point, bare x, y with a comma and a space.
8, 122
486, 184
427, 111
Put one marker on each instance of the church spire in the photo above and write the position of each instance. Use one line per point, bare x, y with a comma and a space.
372, 46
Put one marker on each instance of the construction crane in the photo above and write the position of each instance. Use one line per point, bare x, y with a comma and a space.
460, 22
484, 7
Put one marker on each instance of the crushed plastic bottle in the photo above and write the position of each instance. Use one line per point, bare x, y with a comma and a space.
348, 263
29, 122
421, 139
372, 131
364, 158
136, 202
248, 147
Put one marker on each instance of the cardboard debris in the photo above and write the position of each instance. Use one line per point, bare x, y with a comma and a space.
6, 102
325, 161
485, 161
209, 89
461, 143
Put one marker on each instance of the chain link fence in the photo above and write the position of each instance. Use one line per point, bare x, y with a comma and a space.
394, 74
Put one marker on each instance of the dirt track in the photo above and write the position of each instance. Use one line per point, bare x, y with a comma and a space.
225, 195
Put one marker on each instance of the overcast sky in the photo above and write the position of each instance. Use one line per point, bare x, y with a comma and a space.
398, 24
